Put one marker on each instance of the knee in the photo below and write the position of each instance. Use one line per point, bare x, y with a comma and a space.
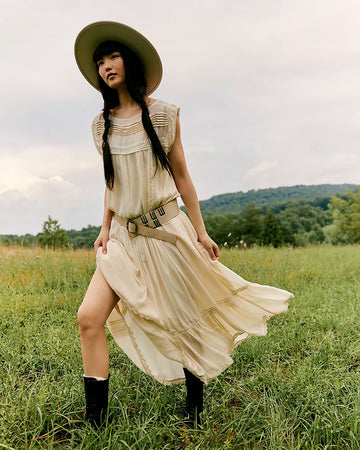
88, 321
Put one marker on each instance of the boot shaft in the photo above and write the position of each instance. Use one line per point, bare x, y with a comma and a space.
195, 390
96, 394
194, 399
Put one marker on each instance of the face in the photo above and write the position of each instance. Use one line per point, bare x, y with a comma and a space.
111, 69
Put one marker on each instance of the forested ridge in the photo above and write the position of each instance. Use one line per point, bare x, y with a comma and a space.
237, 201
293, 216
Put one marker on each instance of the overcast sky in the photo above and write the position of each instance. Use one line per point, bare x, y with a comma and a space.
269, 94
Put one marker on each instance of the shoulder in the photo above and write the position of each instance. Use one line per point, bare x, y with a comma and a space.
161, 106
97, 125
98, 118
164, 117
97, 128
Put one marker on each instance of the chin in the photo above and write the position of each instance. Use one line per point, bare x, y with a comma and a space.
115, 85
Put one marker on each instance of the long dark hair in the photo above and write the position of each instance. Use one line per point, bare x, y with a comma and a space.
136, 86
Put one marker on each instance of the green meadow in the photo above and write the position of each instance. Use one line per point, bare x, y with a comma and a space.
296, 388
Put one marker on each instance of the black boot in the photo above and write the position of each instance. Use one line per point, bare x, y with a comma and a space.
96, 394
194, 399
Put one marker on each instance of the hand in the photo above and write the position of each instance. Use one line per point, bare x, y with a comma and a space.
102, 241
210, 246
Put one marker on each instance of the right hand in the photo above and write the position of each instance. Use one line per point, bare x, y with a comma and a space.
102, 241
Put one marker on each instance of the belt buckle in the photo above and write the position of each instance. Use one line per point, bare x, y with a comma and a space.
135, 232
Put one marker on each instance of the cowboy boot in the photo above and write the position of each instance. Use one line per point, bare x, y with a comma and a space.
194, 399
96, 394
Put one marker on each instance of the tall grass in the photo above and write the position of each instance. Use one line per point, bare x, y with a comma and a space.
296, 388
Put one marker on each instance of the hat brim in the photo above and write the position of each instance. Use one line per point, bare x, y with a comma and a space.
94, 34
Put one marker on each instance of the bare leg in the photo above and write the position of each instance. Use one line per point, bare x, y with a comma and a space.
98, 303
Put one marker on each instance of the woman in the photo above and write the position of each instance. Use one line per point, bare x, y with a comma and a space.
172, 307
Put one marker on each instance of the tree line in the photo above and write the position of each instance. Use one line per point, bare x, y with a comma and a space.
294, 223
53, 236
334, 220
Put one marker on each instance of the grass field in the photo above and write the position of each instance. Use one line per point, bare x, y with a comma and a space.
296, 388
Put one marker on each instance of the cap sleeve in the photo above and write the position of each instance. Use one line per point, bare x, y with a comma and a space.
97, 128
174, 111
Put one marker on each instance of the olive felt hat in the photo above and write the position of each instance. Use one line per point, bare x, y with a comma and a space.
94, 34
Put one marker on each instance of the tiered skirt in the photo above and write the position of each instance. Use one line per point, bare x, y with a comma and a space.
178, 308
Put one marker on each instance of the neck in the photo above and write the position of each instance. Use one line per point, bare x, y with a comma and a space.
127, 106
125, 100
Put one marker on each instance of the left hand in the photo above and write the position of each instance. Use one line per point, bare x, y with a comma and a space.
210, 246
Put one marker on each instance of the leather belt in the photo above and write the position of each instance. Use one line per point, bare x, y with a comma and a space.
146, 224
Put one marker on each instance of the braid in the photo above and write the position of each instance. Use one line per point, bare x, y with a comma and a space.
160, 155
108, 165
136, 85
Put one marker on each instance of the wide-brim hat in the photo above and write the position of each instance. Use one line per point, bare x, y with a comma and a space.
94, 34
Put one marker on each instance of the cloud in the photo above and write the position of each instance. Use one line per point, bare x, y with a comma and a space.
33, 166
73, 205
39, 181
268, 93
260, 169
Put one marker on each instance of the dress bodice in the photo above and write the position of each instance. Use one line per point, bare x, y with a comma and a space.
138, 186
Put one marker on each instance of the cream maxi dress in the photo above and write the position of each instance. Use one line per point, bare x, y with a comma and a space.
177, 308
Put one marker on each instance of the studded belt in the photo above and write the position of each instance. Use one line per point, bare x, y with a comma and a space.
147, 224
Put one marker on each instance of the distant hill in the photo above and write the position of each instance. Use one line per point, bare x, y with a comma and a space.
302, 207
236, 201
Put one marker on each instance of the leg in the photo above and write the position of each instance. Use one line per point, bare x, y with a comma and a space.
98, 303
93, 312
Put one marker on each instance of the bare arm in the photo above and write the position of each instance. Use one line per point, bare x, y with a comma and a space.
103, 237
188, 194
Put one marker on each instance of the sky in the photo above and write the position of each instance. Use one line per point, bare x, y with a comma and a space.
268, 91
